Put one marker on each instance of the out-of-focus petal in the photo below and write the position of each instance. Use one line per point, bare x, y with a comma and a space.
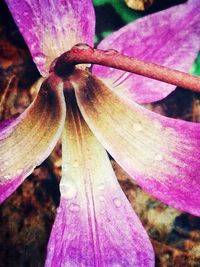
169, 38
95, 224
50, 28
160, 153
28, 140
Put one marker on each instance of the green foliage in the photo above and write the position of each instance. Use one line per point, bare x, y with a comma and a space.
126, 14
111, 15
196, 66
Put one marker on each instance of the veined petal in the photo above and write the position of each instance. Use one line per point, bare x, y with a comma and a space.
95, 224
169, 38
160, 153
28, 140
50, 28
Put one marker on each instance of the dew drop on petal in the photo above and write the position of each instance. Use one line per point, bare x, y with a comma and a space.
102, 211
101, 186
75, 164
33, 46
117, 202
110, 52
68, 189
157, 125
82, 46
137, 127
74, 207
7, 176
64, 168
19, 171
58, 210
159, 157
40, 59
101, 198
25, 13
51, 248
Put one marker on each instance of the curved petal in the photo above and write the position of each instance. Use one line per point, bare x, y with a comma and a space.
50, 28
169, 38
28, 140
95, 224
160, 153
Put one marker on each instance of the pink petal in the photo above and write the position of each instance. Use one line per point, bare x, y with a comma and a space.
95, 224
161, 154
28, 140
169, 38
50, 28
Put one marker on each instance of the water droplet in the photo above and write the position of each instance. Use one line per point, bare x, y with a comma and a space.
74, 207
103, 211
101, 186
33, 45
111, 52
68, 189
51, 248
40, 59
137, 127
64, 168
159, 157
58, 210
117, 202
101, 198
157, 125
7, 176
75, 164
88, 65
19, 171
82, 46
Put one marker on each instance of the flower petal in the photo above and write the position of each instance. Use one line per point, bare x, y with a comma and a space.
160, 153
28, 140
95, 224
169, 38
50, 28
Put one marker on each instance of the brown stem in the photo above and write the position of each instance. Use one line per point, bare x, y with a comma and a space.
82, 53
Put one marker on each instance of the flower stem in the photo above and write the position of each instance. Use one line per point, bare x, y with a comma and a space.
83, 53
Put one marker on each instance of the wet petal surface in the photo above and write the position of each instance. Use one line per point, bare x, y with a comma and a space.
50, 28
95, 224
169, 38
161, 154
28, 140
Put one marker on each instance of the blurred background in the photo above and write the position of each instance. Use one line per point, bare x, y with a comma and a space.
26, 217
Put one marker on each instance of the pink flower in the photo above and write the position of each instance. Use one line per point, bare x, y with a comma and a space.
95, 224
